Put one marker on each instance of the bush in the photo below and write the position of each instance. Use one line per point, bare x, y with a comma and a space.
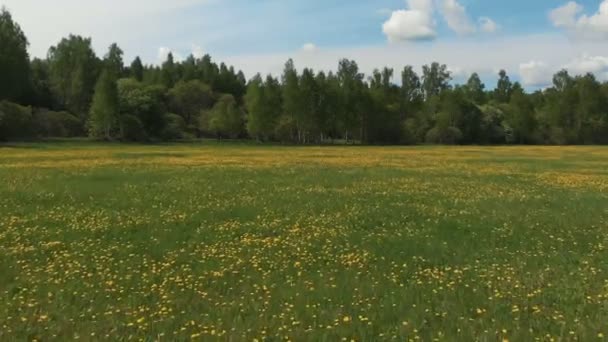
132, 129
51, 124
15, 121
174, 128
284, 129
409, 132
557, 136
447, 136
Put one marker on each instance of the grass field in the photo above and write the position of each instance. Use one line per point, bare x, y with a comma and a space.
246, 243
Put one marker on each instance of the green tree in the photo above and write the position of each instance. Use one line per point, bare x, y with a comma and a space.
590, 114
168, 72
351, 85
189, 71
14, 59
521, 116
435, 79
189, 98
103, 119
137, 69
264, 105
475, 89
292, 101
307, 121
113, 61
145, 102
226, 119
73, 72
504, 88
15, 121
411, 91
40, 94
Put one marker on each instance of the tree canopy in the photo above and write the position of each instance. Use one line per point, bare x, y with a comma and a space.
73, 91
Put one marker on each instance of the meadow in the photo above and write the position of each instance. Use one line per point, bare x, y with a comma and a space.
263, 243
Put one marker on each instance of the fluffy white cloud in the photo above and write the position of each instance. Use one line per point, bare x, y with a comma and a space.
593, 26
540, 74
535, 73
565, 16
415, 23
418, 22
309, 47
488, 25
586, 63
456, 17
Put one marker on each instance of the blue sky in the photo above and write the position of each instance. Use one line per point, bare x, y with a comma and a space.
530, 38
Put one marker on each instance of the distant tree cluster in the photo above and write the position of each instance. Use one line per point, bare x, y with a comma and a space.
74, 93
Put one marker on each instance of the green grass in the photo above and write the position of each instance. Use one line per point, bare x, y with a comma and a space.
237, 242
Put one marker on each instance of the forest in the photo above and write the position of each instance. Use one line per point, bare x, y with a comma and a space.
75, 93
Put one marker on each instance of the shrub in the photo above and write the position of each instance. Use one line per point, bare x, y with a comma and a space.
15, 121
132, 129
448, 136
51, 124
174, 128
284, 129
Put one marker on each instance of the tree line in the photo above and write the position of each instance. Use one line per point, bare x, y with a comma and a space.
75, 93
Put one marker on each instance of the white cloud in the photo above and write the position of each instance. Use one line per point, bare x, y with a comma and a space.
586, 63
309, 47
536, 73
415, 23
163, 54
565, 16
488, 25
197, 51
133, 24
457, 18
593, 26
485, 56
421, 5
540, 74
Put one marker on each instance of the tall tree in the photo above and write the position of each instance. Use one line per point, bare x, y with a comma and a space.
188, 99
189, 71
264, 106
410, 85
113, 61
309, 101
145, 102
435, 79
226, 119
475, 89
137, 69
14, 59
521, 116
103, 119
351, 84
292, 104
168, 72
40, 94
73, 72
504, 88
